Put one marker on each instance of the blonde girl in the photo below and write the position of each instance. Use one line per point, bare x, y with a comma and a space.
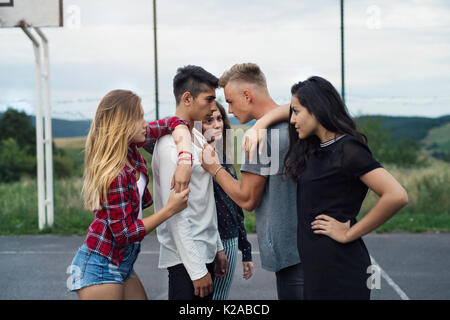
115, 189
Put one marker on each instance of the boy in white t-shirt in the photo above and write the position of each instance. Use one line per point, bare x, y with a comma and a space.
190, 245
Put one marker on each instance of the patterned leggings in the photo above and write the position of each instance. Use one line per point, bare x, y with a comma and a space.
222, 285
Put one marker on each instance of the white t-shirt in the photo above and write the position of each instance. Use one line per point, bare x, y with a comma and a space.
141, 186
191, 236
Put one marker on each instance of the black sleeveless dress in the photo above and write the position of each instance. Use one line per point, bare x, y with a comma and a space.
330, 185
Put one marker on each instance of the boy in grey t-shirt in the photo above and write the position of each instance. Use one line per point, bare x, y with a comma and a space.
263, 187
276, 215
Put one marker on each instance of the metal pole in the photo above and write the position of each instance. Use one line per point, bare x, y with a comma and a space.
48, 132
156, 60
39, 137
342, 52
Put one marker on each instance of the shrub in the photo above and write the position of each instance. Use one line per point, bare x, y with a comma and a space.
14, 161
62, 166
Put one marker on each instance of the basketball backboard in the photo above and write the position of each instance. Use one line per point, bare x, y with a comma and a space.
34, 13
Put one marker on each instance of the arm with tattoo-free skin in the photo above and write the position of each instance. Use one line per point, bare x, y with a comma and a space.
256, 135
392, 195
182, 176
182, 137
246, 193
392, 198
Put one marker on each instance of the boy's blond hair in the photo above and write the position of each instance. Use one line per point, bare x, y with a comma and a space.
245, 72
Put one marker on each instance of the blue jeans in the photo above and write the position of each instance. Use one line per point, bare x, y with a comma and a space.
90, 268
290, 283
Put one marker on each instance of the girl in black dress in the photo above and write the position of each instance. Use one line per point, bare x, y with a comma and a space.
333, 167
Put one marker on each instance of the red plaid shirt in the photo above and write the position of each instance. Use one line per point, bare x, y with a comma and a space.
116, 224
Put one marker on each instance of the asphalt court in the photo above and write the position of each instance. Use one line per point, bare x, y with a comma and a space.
405, 267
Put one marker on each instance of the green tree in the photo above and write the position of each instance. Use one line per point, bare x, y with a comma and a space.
18, 149
18, 125
403, 152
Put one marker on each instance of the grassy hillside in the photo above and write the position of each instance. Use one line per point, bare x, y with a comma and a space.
438, 138
429, 205
70, 143
414, 128
428, 209
427, 185
69, 128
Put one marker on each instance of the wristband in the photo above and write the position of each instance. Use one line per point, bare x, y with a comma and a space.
180, 159
187, 152
181, 152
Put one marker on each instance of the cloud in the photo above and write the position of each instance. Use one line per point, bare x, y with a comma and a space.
290, 40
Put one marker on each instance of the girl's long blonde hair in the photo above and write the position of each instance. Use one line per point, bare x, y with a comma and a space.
111, 131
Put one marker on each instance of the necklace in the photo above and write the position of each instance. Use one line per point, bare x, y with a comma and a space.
327, 143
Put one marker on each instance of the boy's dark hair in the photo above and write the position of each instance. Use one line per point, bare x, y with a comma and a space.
194, 79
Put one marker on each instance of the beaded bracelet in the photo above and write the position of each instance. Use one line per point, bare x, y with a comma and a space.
218, 169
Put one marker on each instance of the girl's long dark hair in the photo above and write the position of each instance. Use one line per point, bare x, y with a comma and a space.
322, 100
228, 153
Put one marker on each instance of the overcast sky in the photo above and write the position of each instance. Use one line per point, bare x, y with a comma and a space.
397, 53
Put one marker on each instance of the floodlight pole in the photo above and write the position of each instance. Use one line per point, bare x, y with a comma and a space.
156, 60
44, 183
48, 131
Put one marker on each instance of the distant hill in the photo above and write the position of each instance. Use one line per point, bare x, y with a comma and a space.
431, 131
79, 128
439, 138
414, 128
68, 128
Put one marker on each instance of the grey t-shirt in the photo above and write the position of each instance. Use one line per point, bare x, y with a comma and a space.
276, 216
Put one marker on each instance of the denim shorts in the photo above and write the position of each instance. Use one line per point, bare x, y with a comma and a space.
89, 268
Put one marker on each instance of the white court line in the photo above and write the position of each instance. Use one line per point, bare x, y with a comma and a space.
391, 282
